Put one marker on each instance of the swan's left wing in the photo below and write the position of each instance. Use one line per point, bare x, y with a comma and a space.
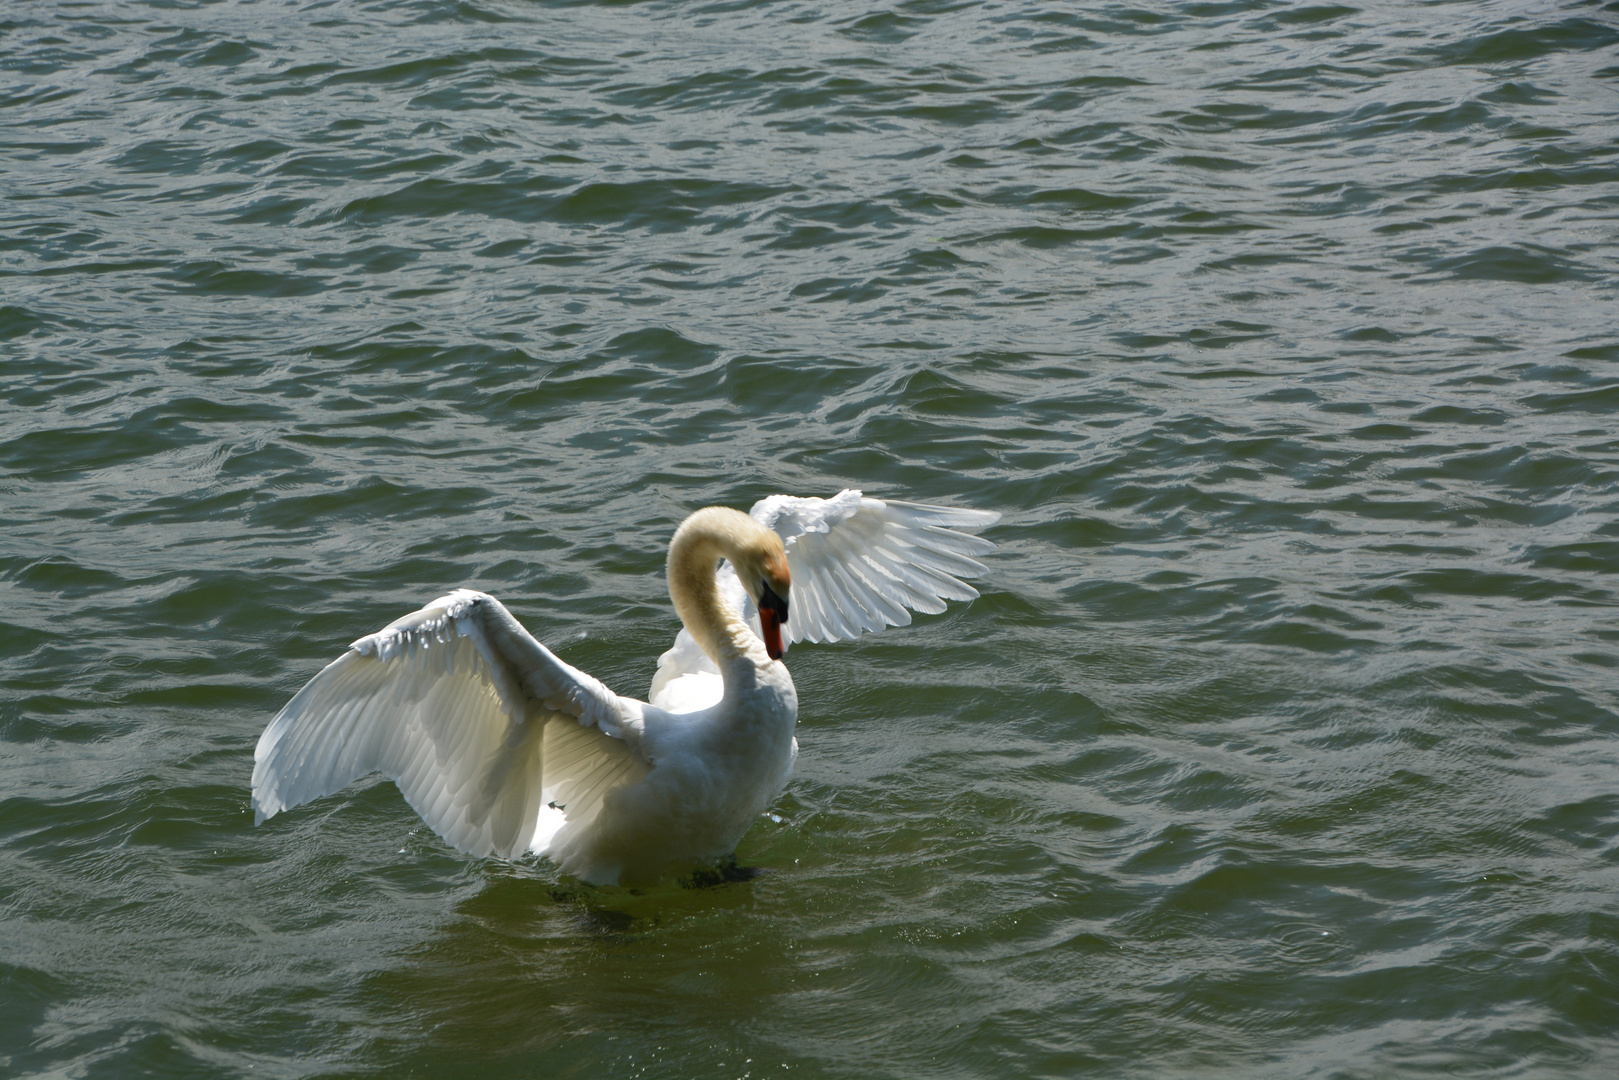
861, 564
479, 724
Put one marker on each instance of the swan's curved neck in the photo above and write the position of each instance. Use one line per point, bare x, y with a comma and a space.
694, 554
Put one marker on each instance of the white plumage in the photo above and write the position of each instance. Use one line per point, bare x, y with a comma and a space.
502, 748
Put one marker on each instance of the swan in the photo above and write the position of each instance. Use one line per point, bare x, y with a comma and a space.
504, 749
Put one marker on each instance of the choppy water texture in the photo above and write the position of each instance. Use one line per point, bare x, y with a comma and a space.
1284, 740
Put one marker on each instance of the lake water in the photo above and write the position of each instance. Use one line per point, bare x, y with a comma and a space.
1283, 740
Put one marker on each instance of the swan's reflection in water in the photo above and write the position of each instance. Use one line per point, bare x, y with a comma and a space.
535, 973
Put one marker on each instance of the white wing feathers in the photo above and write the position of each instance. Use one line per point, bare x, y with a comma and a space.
857, 565
861, 564
478, 723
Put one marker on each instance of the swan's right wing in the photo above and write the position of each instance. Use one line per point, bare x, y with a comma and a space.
857, 564
478, 723
860, 564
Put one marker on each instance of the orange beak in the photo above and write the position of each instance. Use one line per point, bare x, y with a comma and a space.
772, 629
772, 613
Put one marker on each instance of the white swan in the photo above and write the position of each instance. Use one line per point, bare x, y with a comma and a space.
503, 748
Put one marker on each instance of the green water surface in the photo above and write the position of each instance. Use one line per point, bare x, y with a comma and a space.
1282, 742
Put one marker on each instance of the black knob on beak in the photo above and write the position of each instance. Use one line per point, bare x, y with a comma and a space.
772, 613
768, 600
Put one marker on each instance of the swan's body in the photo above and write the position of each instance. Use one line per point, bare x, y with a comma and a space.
503, 748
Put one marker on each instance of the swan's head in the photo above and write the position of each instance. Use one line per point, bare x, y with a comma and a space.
761, 566
756, 554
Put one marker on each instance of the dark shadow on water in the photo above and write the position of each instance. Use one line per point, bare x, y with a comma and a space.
615, 910
532, 963
728, 872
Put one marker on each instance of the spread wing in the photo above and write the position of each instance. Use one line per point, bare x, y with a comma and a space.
480, 725
862, 564
857, 564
